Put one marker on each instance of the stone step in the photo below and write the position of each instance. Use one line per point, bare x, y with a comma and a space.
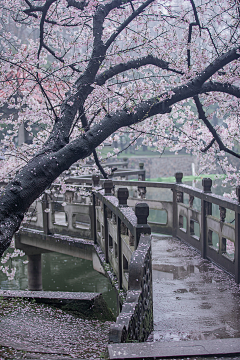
90, 305
157, 350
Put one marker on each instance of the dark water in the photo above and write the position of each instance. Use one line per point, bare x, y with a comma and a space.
63, 273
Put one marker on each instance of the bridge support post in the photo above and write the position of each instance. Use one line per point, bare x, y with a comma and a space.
34, 272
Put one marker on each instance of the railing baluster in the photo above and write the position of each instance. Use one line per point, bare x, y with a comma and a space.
108, 188
206, 209
237, 240
222, 240
105, 215
191, 199
45, 205
141, 177
94, 219
119, 249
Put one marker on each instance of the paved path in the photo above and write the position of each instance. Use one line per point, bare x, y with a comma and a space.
196, 307
193, 299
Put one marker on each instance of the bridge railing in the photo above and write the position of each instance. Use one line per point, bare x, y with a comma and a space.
201, 221
124, 237
197, 217
118, 228
209, 232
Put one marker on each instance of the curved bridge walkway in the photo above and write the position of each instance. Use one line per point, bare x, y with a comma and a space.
196, 305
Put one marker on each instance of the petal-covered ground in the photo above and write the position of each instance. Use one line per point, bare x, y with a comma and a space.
30, 330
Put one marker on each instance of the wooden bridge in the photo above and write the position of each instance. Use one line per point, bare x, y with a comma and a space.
113, 231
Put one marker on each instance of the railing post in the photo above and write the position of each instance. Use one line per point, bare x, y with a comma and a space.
105, 219
141, 212
119, 250
45, 206
177, 197
237, 240
141, 177
206, 209
126, 163
175, 212
94, 220
222, 240
95, 183
108, 187
178, 177
95, 180
122, 195
69, 196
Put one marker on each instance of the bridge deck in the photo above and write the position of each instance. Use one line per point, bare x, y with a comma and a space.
195, 303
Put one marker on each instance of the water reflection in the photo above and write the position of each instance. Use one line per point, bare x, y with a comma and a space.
63, 273
167, 272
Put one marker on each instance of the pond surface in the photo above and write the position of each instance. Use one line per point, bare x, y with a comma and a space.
63, 273
36, 331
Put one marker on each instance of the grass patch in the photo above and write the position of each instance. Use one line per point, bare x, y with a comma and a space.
187, 178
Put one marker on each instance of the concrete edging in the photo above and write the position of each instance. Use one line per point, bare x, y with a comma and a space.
91, 305
157, 350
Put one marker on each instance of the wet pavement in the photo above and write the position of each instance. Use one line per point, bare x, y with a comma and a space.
196, 309
192, 298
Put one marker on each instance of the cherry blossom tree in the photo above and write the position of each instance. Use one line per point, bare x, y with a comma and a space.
76, 73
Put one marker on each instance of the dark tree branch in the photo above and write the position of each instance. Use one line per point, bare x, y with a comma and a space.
214, 133
217, 86
59, 58
195, 12
217, 64
85, 125
126, 147
47, 97
97, 162
33, 9
132, 5
126, 22
62, 129
208, 146
44, 14
133, 64
76, 4
191, 25
28, 3
47, 165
